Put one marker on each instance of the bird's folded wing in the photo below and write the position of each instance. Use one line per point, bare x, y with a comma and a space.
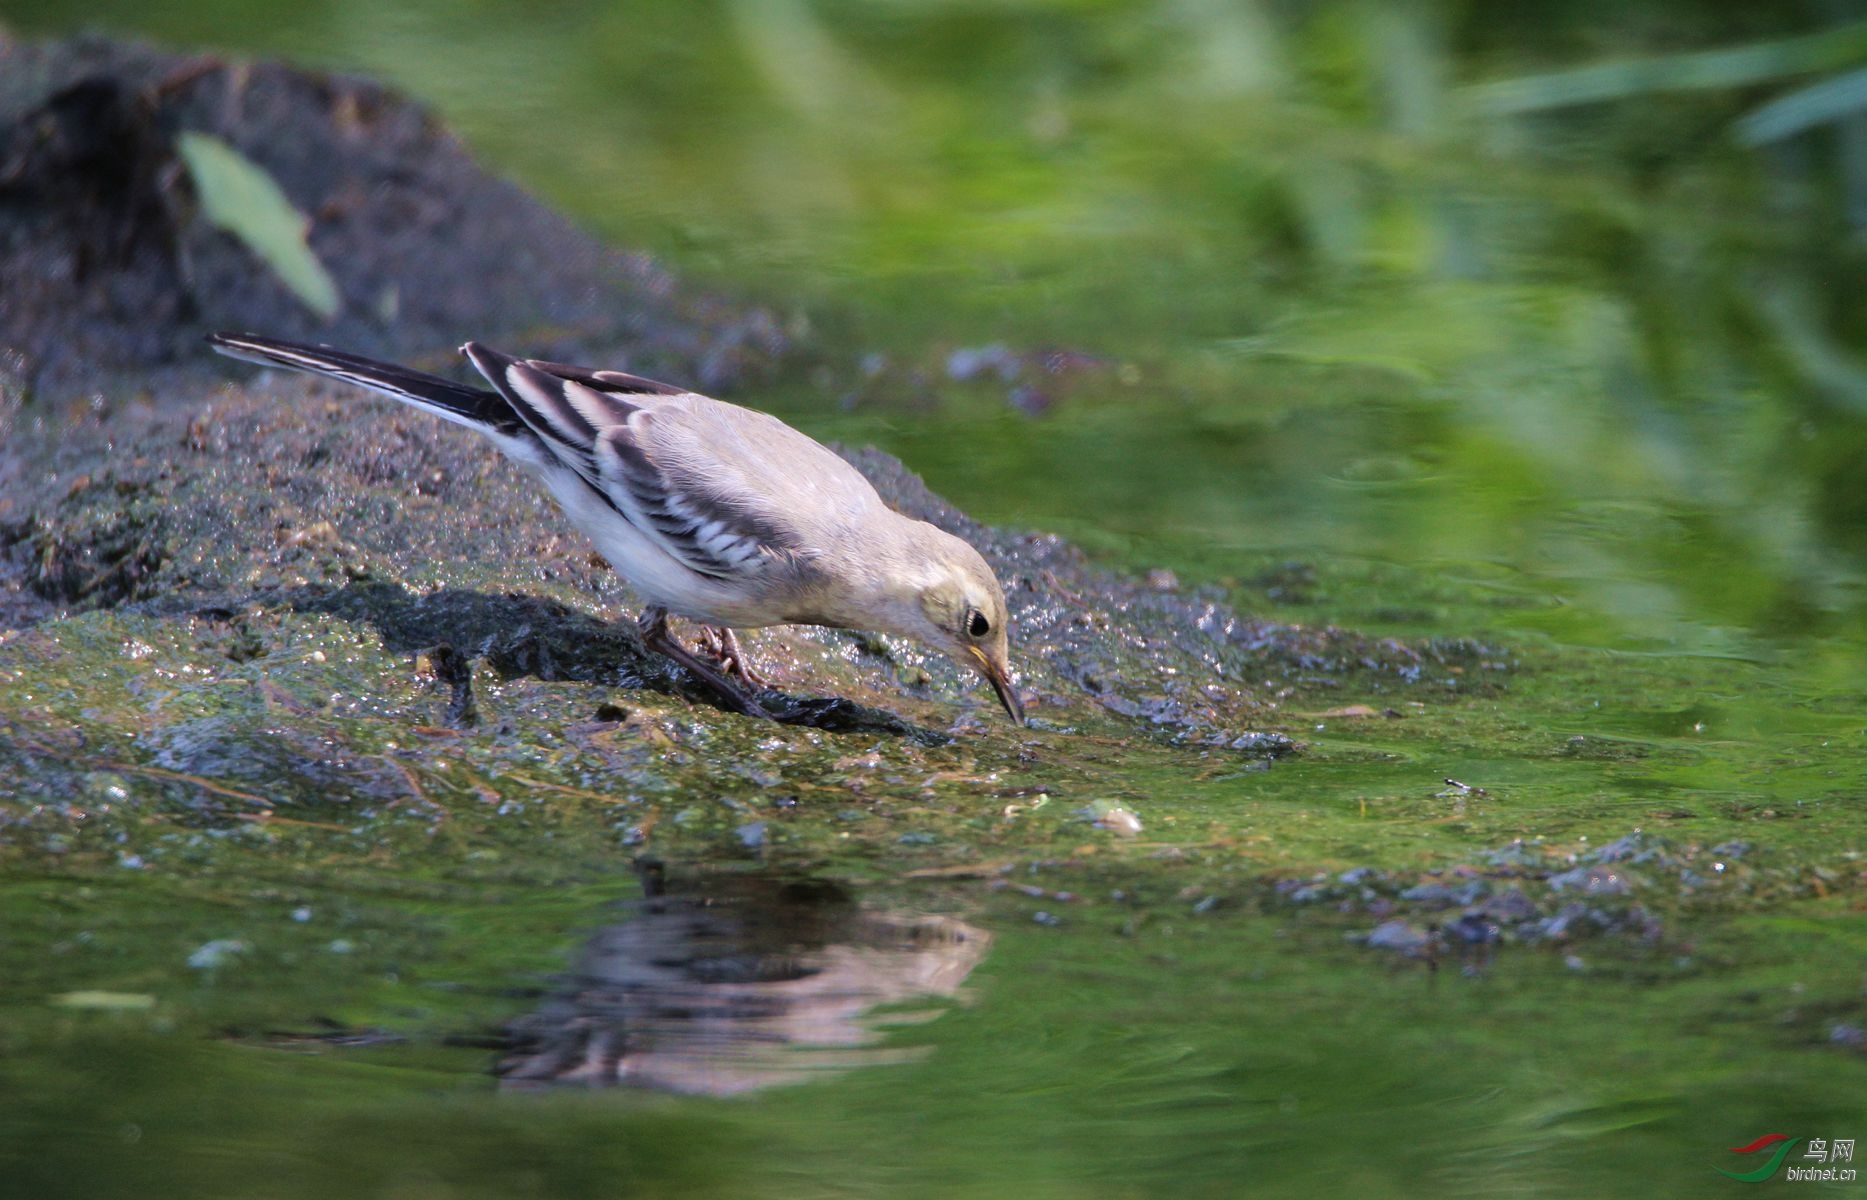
695, 516
604, 426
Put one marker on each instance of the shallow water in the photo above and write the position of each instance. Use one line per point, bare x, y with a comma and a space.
1286, 378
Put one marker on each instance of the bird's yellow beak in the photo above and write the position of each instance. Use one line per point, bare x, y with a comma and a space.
998, 673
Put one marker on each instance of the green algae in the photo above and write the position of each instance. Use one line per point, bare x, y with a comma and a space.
1183, 1010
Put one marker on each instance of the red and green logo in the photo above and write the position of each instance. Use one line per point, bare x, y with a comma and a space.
1783, 1143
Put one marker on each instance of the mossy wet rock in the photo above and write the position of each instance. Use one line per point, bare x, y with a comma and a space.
100, 559
294, 495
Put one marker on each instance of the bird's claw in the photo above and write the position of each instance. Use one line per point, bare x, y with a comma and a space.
722, 645
653, 627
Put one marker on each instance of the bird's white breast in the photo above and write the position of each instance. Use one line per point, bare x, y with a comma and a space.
660, 578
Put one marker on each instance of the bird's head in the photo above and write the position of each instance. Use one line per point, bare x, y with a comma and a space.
961, 612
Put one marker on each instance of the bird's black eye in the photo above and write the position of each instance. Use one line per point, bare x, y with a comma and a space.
976, 624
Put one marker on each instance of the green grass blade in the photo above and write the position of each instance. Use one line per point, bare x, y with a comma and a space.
239, 196
1731, 66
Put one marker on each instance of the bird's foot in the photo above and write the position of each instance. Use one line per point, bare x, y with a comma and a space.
653, 625
722, 644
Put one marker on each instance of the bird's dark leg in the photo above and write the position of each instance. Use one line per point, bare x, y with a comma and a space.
720, 642
653, 625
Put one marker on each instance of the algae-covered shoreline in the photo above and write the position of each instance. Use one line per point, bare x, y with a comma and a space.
329, 756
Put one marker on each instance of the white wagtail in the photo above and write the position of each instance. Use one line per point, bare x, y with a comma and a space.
714, 512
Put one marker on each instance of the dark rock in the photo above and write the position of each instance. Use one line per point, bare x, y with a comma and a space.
1638, 847
1302, 891
1509, 907
1440, 895
111, 269
1592, 881
1516, 855
88, 564
1473, 929
1570, 920
1400, 937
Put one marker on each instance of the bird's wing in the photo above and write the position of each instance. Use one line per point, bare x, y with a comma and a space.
633, 441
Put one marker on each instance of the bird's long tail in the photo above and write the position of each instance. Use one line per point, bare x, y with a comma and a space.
476, 408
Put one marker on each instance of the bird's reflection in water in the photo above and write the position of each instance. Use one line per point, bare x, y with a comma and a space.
739, 982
